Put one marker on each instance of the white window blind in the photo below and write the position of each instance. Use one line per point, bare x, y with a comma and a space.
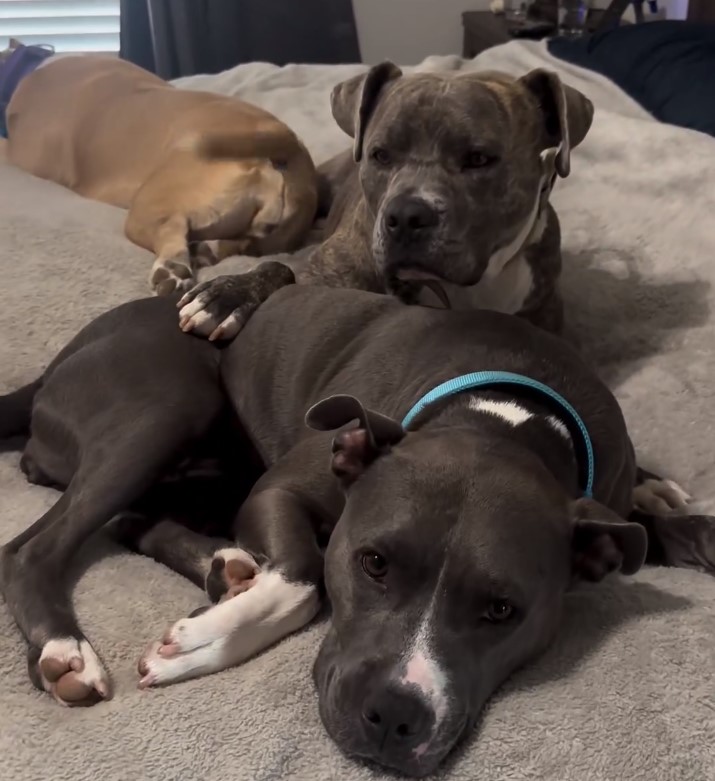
68, 25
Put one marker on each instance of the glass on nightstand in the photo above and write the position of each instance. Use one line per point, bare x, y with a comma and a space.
515, 11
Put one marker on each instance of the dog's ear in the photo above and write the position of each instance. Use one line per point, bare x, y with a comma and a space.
567, 113
603, 542
354, 100
355, 449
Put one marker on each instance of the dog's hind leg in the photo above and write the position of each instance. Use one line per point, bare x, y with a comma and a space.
172, 544
679, 540
271, 580
115, 470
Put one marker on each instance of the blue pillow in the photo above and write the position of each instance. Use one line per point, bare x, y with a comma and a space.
668, 67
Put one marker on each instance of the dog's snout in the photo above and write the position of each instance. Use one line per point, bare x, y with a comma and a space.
396, 718
408, 218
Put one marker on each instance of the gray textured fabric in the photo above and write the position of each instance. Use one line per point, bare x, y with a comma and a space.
627, 692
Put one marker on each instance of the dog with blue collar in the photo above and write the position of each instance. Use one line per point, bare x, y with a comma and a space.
467, 468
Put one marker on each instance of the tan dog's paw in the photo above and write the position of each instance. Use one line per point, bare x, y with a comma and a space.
170, 276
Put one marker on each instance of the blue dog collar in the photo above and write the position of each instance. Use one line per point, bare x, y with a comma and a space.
497, 379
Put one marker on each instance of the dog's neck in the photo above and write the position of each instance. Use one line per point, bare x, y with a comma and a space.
525, 423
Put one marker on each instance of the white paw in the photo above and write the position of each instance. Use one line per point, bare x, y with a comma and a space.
72, 673
193, 317
230, 632
660, 497
157, 670
188, 634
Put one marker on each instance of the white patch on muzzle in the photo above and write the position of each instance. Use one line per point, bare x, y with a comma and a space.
423, 672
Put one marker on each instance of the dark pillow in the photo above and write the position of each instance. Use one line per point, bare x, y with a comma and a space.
668, 67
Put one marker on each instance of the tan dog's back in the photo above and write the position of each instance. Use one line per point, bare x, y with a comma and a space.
100, 125
192, 167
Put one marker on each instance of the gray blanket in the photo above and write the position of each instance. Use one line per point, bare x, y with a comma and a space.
627, 692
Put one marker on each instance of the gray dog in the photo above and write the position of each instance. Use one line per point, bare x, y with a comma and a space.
448, 180
457, 516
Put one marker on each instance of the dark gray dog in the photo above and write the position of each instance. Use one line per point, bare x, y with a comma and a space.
448, 179
452, 540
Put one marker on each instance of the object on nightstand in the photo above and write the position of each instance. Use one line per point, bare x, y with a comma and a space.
572, 17
515, 10
483, 29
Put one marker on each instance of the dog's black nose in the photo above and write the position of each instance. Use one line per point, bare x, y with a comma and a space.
408, 218
396, 718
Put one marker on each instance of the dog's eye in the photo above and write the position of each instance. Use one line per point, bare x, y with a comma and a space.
381, 156
499, 610
374, 565
477, 159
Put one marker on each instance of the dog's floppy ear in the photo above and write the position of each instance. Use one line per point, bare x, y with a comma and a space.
567, 113
354, 100
355, 449
603, 542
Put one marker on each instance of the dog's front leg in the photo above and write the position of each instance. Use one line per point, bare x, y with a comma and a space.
271, 582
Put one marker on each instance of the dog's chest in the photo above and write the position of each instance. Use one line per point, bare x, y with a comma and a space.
504, 290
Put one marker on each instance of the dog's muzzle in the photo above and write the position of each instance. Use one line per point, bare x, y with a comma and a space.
395, 720
409, 220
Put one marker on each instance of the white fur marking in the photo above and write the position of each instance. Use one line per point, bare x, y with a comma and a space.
506, 292
230, 326
236, 554
201, 320
234, 630
660, 497
509, 411
64, 649
68, 649
425, 673
192, 307
502, 256
93, 673
558, 426
507, 281
204, 323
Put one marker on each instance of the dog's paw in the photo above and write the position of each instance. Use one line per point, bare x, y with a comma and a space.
191, 647
171, 276
231, 632
232, 572
221, 307
71, 672
660, 497
688, 541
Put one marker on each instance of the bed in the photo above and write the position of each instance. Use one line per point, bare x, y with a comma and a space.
627, 691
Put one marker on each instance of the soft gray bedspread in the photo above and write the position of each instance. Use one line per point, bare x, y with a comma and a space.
627, 692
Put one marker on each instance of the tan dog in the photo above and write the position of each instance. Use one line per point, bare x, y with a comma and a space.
191, 167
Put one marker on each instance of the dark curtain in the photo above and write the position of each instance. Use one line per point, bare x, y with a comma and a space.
182, 37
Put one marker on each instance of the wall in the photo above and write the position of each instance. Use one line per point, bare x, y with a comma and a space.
406, 31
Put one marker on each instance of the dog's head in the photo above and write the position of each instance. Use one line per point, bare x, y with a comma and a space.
455, 168
446, 571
